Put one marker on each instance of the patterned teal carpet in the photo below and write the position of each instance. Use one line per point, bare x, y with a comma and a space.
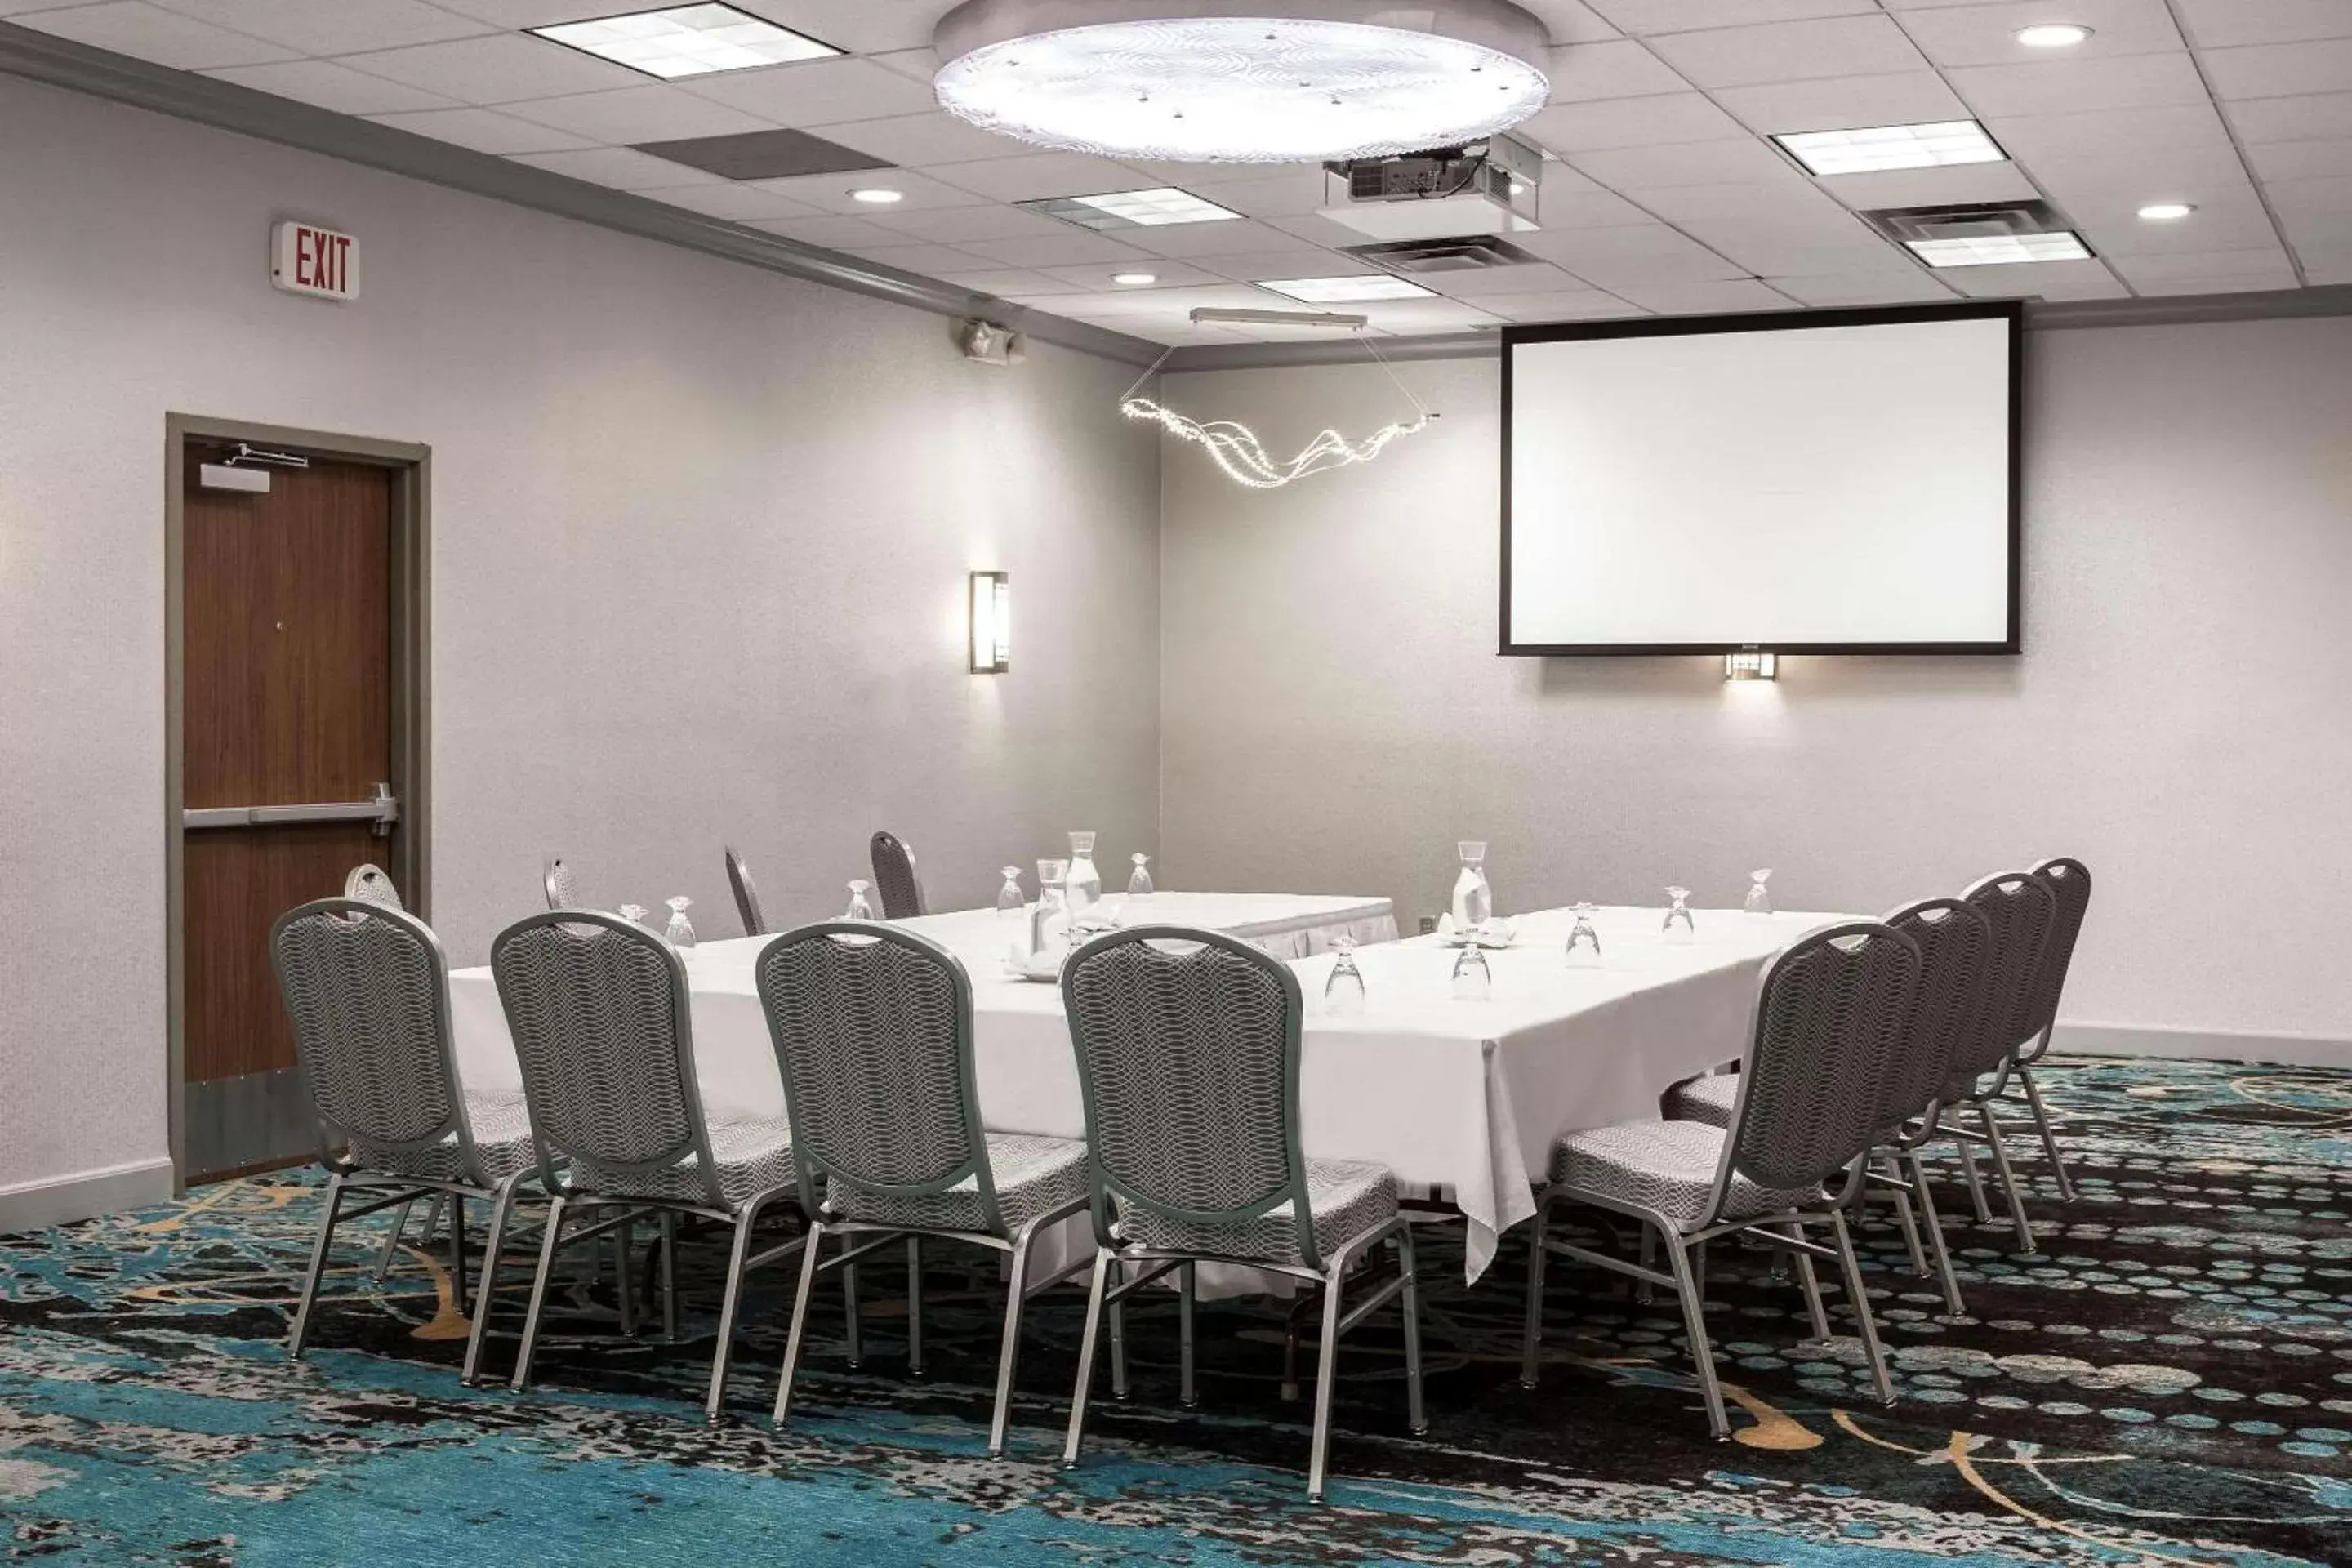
2168, 1382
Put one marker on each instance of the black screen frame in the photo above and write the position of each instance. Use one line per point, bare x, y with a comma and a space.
2012, 310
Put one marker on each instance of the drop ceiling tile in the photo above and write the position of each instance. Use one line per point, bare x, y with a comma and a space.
1931, 187
630, 115
956, 226
1011, 283
2301, 160
483, 130
1622, 67
923, 260
1320, 231
2080, 86
1575, 305
2189, 267
2327, 266
1074, 249
1568, 128
1602, 256
918, 141
817, 93
830, 192
1037, 176
1705, 298
1306, 261
1635, 170
2316, 230
1570, 21
915, 65
1416, 316
622, 168
1225, 237
1644, 17
151, 33
1913, 286
2110, 170
2215, 226
1767, 255
1786, 200
1790, 51
519, 14
1904, 98
1292, 193
1986, 35
1180, 302
1486, 283
2110, 136
2303, 198
732, 201
2280, 70
326, 85
503, 67
2300, 119
2087, 280
1096, 279
1578, 206
2218, 24
855, 26
2282, 276
832, 233
343, 28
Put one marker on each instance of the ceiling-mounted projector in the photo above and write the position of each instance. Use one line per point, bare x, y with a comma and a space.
1487, 187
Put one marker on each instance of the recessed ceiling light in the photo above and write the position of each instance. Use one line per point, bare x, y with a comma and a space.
2052, 35
1999, 249
1135, 280
687, 40
1132, 209
2166, 212
1349, 291
877, 195
1875, 148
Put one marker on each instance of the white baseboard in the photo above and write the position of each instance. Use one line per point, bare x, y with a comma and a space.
2201, 1045
60, 1200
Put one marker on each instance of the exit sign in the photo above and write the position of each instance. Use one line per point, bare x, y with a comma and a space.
315, 261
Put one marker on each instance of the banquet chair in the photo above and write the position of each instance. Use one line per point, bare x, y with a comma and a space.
1829, 1021
2068, 880
598, 1009
366, 989
369, 885
1188, 1048
747, 896
557, 880
2021, 909
872, 1027
894, 879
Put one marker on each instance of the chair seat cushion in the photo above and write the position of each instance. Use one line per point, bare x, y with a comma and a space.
1667, 1167
753, 1157
1347, 1200
502, 1128
1033, 1177
1708, 1098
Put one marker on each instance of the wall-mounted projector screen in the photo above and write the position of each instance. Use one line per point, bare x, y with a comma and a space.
1824, 481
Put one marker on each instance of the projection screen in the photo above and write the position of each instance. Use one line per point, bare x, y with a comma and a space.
1824, 481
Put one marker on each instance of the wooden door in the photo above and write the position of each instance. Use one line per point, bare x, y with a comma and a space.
288, 659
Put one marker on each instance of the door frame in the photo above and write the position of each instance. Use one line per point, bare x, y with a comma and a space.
412, 675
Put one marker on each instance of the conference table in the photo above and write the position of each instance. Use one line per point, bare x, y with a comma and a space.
1463, 1100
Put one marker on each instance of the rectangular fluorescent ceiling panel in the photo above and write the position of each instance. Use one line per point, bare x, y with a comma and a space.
1994, 250
1876, 148
687, 40
1131, 209
1348, 290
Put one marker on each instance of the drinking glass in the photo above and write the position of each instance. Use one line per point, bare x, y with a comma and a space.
1010, 899
1473, 900
1760, 897
1583, 940
681, 931
1678, 927
634, 913
1473, 981
1082, 886
1139, 886
1049, 922
1013, 918
1343, 993
859, 910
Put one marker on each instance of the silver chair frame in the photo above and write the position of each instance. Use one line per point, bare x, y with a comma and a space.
1115, 1257
555, 881
2062, 875
896, 881
747, 894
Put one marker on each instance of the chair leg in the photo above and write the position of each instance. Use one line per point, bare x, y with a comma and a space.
317, 1268
1935, 1223
669, 1276
2008, 1179
1531, 1338
915, 1305
2048, 1138
625, 1241
714, 1404
392, 1240
1089, 1342
811, 1254
1119, 1388
456, 1251
1695, 1322
1903, 1219
547, 1246
1861, 1312
434, 1213
1416, 1412
1644, 1292
1967, 1154
1810, 1282
1008, 1354
1326, 1376
849, 1302
486, 1292
1186, 1395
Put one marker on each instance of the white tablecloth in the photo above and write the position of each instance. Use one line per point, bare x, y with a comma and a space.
1464, 1097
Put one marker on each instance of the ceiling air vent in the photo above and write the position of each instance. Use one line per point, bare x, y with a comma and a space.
1972, 220
1465, 253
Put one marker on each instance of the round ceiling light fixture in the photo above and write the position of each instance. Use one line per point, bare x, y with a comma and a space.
1242, 82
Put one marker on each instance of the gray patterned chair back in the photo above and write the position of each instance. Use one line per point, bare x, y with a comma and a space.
1188, 1057
367, 992
598, 1009
1829, 1024
872, 1027
747, 896
2069, 881
1956, 952
369, 885
2020, 907
894, 879
556, 879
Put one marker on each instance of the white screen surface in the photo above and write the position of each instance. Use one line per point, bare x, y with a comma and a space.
1789, 487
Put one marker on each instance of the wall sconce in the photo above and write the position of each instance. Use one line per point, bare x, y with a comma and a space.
991, 623
1751, 664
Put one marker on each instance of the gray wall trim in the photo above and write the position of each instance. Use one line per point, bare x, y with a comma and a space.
60, 62
2203, 1045
61, 1200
